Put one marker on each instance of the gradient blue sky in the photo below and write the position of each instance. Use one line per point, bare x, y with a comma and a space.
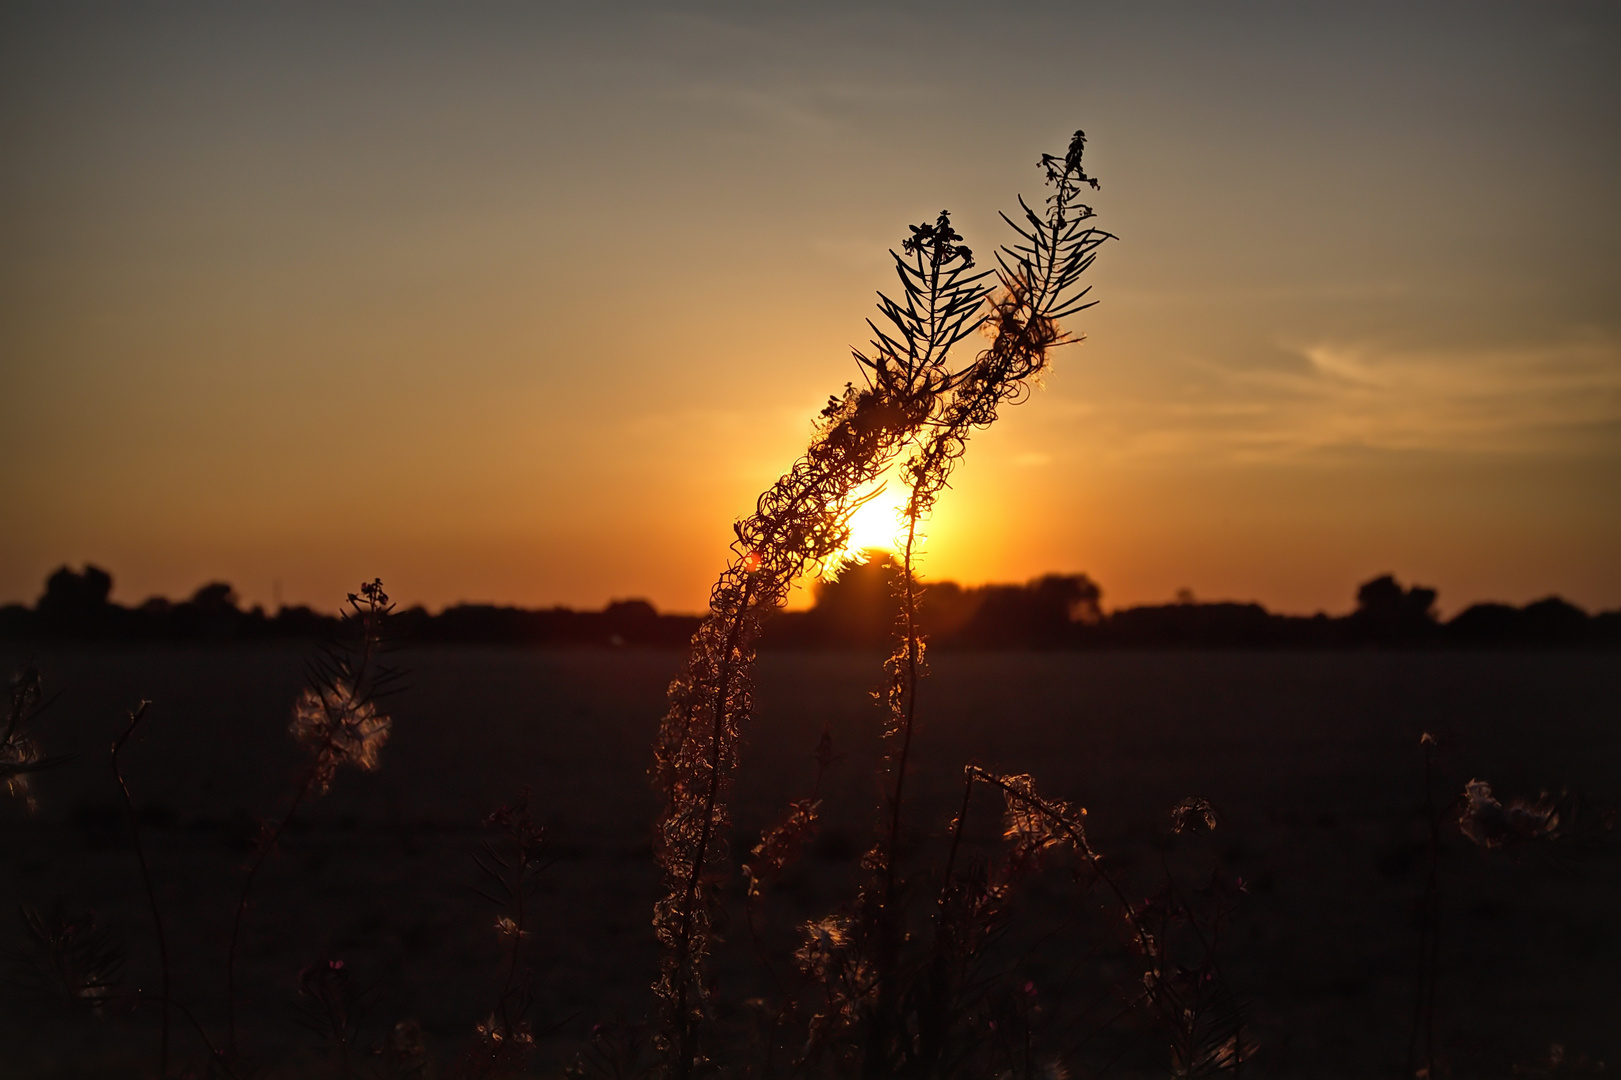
527, 302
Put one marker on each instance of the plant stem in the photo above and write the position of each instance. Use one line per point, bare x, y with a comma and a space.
517, 942
358, 675
909, 686
686, 1047
1077, 835
146, 882
267, 845
1429, 946
889, 919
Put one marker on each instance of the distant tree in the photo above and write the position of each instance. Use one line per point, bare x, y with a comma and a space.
70, 593
1485, 624
1555, 621
859, 606
1041, 614
215, 597
1388, 613
1077, 595
76, 603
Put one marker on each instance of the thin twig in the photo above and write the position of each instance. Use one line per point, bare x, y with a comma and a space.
146, 882
1429, 955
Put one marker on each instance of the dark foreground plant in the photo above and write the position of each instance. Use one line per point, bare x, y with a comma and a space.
801, 522
915, 397
1038, 276
1490, 824
503, 1043
67, 959
337, 722
20, 753
135, 718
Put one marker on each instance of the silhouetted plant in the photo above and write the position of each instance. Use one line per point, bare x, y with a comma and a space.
330, 1005
801, 522
66, 959
1038, 276
914, 398
504, 1041
135, 718
20, 754
1182, 983
337, 722
615, 1051
1489, 824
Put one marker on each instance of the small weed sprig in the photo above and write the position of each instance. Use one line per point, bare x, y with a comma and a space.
135, 718
503, 1042
337, 721
67, 959
1490, 824
1203, 1019
330, 1005
20, 754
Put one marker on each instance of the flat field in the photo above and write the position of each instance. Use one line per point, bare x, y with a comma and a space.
1313, 760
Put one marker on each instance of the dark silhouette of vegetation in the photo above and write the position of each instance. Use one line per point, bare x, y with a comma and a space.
20, 753
916, 400
859, 609
135, 717
337, 722
67, 960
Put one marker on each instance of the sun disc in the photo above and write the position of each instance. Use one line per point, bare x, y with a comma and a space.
877, 522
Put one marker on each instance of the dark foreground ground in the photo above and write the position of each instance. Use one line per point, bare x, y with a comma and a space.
1313, 760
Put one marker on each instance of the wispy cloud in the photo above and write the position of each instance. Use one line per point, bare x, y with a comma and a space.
1554, 397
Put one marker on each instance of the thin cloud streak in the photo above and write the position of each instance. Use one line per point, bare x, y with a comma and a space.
1557, 398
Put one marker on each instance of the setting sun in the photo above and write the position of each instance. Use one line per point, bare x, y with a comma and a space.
877, 522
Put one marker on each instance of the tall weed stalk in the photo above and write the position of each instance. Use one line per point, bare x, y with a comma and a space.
1038, 277
135, 718
337, 721
913, 398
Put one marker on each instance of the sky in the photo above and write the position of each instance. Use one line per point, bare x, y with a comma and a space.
526, 303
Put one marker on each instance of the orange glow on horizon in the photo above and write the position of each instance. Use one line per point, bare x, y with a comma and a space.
576, 377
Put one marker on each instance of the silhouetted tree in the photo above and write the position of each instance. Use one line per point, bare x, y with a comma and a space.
1042, 614
215, 597
860, 606
76, 603
1388, 614
1555, 621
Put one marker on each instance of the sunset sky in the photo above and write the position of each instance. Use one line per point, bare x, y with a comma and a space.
527, 302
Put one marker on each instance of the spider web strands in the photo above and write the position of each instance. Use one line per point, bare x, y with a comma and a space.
1038, 279
800, 522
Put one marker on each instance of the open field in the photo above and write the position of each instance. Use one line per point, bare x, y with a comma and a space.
1312, 758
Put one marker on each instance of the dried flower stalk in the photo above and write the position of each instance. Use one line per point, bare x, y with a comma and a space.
912, 398
336, 720
1038, 278
800, 523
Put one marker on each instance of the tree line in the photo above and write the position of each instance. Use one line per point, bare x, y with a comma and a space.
858, 609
